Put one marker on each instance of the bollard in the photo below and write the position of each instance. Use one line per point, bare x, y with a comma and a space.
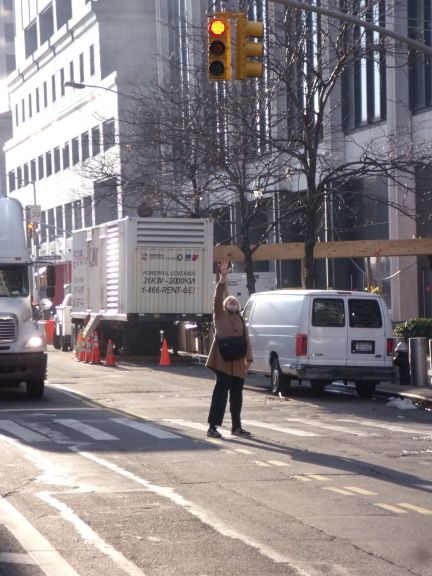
418, 361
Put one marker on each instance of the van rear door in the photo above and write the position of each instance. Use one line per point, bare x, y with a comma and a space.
367, 342
328, 331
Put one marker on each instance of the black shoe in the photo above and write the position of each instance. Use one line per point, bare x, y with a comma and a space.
212, 432
240, 432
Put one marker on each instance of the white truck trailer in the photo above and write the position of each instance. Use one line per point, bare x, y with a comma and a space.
136, 277
23, 356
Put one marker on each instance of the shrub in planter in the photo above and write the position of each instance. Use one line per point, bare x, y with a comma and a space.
414, 328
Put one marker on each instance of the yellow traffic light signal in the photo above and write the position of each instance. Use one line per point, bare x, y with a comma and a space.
219, 48
30, 229
247, 48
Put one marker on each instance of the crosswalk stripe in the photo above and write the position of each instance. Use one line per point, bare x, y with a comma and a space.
390, 508
338, 490
389, 427
22, 432
85, 429
360, 491
146, 428
418, 509
344, 429
187, 424
319, 477
16, 558
292, 431
278, 463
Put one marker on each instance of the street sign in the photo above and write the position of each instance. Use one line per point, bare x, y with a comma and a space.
35, 213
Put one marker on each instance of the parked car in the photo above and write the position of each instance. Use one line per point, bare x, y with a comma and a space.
321, 336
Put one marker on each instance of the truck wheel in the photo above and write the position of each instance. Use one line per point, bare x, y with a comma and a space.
35, 389
365, 389
278, 381
56, 341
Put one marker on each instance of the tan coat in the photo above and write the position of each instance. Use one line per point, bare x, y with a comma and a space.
227, 324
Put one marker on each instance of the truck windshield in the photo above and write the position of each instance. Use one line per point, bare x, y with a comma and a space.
14, 280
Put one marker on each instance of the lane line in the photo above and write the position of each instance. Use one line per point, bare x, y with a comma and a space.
418, 509
85, 429
292, 431
206, 517
147, 429
389, 427
390, 508
319, 477
90, 536
360, 491
344, 429
260, 463
338, 491
278, 463
39, 549
21, 432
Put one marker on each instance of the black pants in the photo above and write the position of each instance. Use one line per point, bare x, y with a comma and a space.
224, 384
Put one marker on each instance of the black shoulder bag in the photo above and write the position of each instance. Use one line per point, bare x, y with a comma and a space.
232, 347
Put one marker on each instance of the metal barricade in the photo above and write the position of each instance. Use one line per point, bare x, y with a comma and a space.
418, 361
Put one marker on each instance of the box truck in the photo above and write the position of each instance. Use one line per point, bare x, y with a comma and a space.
321, 336
134, 278
23, 355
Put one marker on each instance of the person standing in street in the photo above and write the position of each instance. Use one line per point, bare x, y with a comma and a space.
230, 374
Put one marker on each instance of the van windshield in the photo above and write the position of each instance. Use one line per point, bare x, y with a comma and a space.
364, 313
14, 280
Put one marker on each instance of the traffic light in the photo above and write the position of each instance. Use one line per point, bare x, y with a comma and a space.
219, 48
30, 229
247, 48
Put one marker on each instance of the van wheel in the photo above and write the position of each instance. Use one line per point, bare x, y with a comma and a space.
278, 381
365, 389
35, 388
319, 385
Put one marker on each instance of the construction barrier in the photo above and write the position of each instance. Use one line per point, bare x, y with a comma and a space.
165, 359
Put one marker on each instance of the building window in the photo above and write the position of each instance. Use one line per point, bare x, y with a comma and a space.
10, 63
65, 154
48, 163
420, 63
9, 32
71, 72
62, 81
30, 105
59, 221
92, 60
84, 146
33, 170
68, 219
30, 39
11, 178
57, 166
16, 115
37, 101
19, 177
8, 5
88, 212
364, 82
95, 140
53, 87
75, 151
63, 12
81, 67
51, 224
26, 173
23, 117
108, 130
46, 24
77, 215
41, 167
45, 94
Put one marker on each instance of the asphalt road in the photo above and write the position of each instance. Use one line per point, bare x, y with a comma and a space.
112, 474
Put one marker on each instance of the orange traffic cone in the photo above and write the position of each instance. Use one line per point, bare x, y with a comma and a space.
77, 348
110, 360
95, 359
89, 350
83, 349
165, 360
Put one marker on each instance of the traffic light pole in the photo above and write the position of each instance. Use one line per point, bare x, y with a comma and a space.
355, 20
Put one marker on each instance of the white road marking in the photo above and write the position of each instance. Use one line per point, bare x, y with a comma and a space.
90, 536
147, 428
278, 463
85, 429
21, 432
292, 431
338, 491
344, 429
390, 508
389, 427
418, 509
205, 517
16, 558
262, 464
187, 424
319, 477
360, 491
39, 549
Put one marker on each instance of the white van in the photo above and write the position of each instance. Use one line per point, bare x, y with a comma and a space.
321, 336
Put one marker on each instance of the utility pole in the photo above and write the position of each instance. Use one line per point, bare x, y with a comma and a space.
355, 20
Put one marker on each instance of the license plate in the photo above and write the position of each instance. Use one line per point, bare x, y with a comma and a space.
362, 347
